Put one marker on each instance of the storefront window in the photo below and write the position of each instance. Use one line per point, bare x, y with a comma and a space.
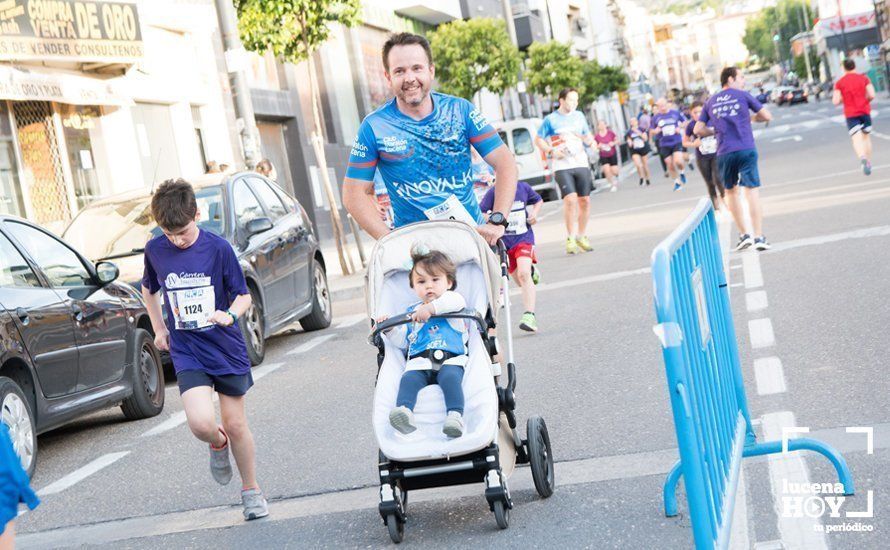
11, 201
79, 123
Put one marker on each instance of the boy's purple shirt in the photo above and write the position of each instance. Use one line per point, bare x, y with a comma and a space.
525, 195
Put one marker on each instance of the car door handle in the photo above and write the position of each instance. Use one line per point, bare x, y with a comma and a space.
23, 316
81, 317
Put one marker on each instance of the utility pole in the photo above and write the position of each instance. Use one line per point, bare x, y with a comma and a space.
840, 17
806, 42
228, 26
511, 30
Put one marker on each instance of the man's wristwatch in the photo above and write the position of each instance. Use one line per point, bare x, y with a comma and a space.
497, 218
233, 316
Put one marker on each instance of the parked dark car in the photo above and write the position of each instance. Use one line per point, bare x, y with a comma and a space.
790, 95
72, 340
269, 230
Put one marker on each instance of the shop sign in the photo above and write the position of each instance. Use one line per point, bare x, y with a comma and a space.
831, 26
20, 85
69, 30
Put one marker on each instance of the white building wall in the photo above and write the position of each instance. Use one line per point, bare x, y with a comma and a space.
179, 71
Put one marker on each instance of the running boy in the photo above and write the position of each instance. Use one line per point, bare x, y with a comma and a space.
520, 242
856, 92
205, 294
437, 348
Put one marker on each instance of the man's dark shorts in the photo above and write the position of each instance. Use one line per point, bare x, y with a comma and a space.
861, 123
665, 152
574, 180
739, 168
233, 385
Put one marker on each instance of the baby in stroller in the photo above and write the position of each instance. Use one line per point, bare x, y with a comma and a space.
436, 349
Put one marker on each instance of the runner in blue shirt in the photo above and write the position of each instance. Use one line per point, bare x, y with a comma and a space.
420, 142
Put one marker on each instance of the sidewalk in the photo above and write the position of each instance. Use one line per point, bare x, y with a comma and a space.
346, 287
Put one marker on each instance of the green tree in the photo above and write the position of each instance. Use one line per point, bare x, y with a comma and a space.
601, 80
474, 54
552, 67
772, 30
293, 30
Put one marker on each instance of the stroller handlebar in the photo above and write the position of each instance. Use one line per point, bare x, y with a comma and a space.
405, 318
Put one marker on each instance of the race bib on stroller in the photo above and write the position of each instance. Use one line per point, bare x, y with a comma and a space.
517, 223
192, 307
708, 145
668, 130
451, 209
638, 143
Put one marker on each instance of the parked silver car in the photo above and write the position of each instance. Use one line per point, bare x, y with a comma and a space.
269, 230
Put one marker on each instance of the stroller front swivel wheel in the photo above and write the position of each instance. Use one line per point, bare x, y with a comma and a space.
501, 514
395, 527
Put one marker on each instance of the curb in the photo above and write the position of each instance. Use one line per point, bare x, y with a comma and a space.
348, 293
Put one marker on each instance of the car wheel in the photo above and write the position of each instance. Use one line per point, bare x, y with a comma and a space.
253, 329
149, 392
15, 412
320, 316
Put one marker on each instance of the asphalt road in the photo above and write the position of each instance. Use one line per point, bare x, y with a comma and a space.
594, 372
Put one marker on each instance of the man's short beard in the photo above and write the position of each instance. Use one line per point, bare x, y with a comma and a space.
423, 95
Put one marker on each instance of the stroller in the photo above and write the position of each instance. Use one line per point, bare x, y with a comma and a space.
491, 445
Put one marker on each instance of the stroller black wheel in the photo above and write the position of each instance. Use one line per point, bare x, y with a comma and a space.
396, 528
501, 514
540, 456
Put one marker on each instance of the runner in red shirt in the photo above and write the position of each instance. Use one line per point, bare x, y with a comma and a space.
856, 92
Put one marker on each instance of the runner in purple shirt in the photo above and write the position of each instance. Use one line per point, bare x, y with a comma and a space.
667, 125
520, 242
728, 115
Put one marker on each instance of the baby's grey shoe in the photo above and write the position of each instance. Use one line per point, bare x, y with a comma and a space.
220, 465
402, 419
454, 424
254, 503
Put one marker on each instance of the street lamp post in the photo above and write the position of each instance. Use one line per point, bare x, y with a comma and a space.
806, 42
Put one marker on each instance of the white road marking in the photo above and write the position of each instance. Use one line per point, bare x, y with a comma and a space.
263, 370
318, 340
788, 138
82, 473
761, 333
351, 320
736, 285
736, 266
175, 420
877, 231
769, 375
587, 280
756, 301
790, 467
751, 267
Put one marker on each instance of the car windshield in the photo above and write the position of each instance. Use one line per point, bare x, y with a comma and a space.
126, 225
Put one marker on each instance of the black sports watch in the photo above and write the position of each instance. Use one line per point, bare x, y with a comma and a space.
497, 218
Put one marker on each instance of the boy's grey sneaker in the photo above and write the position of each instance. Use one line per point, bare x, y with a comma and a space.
454, 425
254, 503
760, 243
220, 465
744, 242
402, 419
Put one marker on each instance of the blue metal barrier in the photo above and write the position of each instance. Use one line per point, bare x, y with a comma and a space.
704, 378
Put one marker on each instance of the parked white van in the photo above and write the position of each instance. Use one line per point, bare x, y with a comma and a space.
534, 169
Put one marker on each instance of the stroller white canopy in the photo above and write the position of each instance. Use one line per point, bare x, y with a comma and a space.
388, 293
459, 241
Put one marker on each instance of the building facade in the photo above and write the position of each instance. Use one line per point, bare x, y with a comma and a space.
100, 97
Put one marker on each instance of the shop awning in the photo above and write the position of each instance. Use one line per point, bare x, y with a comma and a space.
26, 85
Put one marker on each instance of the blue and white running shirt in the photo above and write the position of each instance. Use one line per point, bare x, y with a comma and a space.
425, 164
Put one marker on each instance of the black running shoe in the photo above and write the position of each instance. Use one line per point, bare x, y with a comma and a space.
641, 181
744, 242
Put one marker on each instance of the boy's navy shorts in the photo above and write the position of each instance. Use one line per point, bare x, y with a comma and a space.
233, 385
